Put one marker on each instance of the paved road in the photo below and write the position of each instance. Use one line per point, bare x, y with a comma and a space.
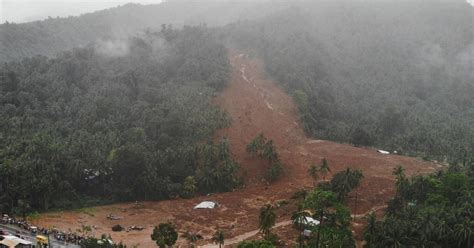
12, 229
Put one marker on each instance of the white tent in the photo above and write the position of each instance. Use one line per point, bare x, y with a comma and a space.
206, 204
13, 241
311, 222
308, 221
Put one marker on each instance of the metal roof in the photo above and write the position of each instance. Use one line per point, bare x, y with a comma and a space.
205, 204
12, 241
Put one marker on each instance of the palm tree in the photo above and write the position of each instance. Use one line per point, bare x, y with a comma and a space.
269, 151
341, 184
219, 237
399, 172
464, 233
402, 184
224, 149
324, 168
355, 178
267, 220
300, 221
392, 235
370, 230
204, 178
313, 172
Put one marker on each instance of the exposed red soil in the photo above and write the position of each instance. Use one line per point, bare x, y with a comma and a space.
256, 105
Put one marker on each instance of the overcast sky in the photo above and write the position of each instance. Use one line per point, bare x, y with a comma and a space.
31, 10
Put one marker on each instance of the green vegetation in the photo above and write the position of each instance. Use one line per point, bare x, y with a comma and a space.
392, 75
102, 242
164, 235
344, 182
314, 170
267, 219
55, 34
255, 244
324, 168
300, 222
189, 186
192, 237
88, 210
334, 220
427, 211
218, 170
265, 149
95, 125
326, 205
219, 238
91, 127
85, 230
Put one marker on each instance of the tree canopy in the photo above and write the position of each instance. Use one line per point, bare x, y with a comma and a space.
90, 126
392, 75
427, 211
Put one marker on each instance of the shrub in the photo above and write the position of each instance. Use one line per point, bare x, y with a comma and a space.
256, 244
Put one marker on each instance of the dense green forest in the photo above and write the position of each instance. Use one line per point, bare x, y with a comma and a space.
54, 34
90, 124
392, 75
121, 113
398, 76
427, 211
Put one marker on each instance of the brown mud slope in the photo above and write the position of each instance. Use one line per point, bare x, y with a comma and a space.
256, 105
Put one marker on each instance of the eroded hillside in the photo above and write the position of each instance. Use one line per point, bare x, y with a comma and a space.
255, 104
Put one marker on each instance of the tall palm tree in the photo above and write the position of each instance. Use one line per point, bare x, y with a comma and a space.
300, 221
342, 184
370, 230
324, 169
392, 235
313, 172
402, 184
219, 237
355, 178
267, 219
464, 233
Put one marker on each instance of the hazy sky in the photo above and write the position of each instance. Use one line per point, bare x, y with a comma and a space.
32, 10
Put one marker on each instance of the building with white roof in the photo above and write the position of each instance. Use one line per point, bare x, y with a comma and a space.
10, 241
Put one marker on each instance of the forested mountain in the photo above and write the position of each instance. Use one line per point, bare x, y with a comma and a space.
398, 76
131, 108
93, 125
55, 35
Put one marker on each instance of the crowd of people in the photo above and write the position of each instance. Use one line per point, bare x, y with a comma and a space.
68, 237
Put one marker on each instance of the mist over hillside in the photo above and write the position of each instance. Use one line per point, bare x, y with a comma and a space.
54, 35
179, 99
394, 75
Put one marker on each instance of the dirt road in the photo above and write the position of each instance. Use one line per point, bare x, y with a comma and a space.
244, 236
